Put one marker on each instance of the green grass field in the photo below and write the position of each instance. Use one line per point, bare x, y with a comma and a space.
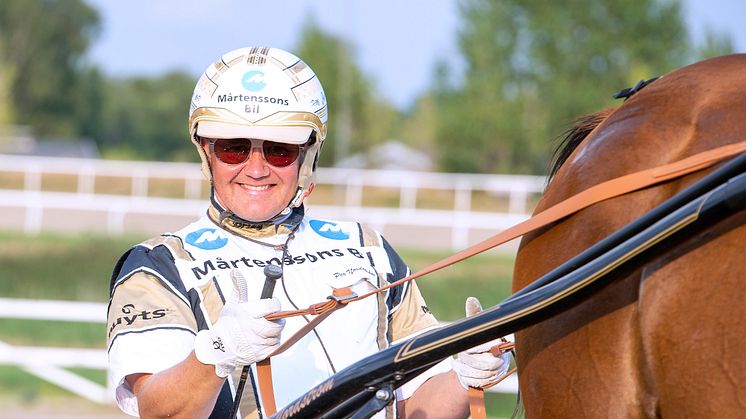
78, 268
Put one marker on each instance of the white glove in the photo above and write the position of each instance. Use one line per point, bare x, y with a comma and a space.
477, 367
241, 335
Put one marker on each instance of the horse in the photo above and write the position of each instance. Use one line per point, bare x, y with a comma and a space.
666, 338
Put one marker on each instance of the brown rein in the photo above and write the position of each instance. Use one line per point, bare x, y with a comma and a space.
595, 194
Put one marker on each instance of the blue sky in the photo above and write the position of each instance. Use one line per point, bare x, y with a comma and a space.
397, 42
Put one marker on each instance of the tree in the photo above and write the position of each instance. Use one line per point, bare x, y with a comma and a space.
357, 120
715, 44
418, 126
147, 118
6, 108
534, 66
41, 45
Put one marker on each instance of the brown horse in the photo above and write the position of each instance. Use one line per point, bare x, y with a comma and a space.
669, 339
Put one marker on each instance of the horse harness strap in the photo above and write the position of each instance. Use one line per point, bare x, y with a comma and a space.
264, 367
595, 194
476, 395
266, 388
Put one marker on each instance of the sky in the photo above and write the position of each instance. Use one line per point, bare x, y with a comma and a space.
397, 42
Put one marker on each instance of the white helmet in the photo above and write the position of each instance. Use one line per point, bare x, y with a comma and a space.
263, 93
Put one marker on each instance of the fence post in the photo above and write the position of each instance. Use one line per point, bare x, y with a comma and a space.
34, 213
193, 187
517, 201
408, 193
140, 183
32, 178
463, 196
354, 192
87, 180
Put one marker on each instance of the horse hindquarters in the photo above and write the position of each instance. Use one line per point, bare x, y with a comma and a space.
585, 362
693, 324
665, 341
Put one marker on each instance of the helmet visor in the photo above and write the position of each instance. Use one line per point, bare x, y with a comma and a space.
280, 134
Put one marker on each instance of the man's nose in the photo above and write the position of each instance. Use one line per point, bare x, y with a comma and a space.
256, 166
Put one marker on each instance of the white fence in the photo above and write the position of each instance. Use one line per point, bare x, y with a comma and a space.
33, 207
49, 363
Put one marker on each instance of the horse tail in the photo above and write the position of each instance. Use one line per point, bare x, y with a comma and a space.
573, 136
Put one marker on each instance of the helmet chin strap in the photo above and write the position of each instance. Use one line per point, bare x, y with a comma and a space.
228, 214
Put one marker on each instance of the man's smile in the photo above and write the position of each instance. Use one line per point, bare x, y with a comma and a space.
257, 188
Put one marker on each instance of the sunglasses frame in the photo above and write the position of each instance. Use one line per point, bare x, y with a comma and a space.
211, 142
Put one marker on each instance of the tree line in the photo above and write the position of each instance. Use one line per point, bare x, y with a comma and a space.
526, 69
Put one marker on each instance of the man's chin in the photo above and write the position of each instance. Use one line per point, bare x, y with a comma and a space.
257, 217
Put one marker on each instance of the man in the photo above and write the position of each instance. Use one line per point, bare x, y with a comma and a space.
179, 335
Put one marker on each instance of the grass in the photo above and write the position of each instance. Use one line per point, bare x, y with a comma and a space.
14, 380
52, 266
486, 276
78, 267
25, 386
52, 333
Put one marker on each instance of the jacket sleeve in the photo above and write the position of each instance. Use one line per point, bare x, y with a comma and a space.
151, 325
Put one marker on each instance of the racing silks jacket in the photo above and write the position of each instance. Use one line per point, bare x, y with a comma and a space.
166, 289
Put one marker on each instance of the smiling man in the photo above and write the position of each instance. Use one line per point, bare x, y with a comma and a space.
258, 119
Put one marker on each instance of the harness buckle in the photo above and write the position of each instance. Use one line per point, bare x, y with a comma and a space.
341, 299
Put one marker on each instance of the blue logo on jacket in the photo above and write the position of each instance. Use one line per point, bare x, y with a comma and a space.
207, 239
329, 230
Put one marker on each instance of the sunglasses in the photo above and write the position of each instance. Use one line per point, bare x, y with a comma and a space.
238, 150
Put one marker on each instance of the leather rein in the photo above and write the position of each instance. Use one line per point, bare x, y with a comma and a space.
595, 194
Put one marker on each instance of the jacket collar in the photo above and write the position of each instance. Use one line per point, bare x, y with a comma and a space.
281, 224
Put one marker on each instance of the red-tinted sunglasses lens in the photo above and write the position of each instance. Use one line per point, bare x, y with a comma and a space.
279, 154
238, 151
232, 151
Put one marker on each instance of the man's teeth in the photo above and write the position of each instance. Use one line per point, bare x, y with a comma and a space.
256, 188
